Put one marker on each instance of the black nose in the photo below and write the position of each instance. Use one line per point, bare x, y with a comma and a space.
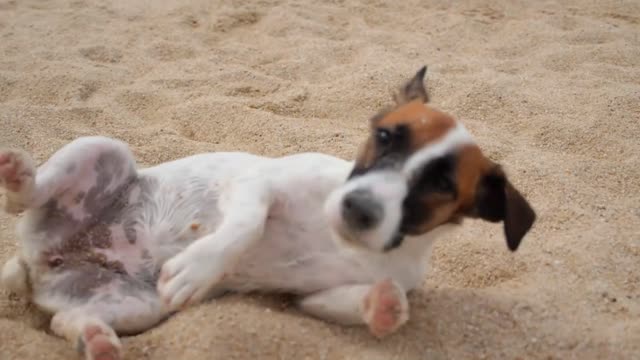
361, 210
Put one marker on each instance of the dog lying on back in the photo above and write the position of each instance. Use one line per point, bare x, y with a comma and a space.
111, 249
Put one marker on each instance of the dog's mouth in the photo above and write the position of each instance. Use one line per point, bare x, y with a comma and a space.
395, 242
358, 239
345, 235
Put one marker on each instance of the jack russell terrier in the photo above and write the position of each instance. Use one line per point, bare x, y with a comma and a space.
111, 249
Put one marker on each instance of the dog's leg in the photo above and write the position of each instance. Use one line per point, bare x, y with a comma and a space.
73, 167
93, 338
383, 307
92, 327
190, 275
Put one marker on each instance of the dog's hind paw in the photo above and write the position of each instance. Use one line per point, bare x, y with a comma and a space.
17, 173
99, 343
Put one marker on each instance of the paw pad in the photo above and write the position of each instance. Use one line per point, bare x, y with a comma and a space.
386, 308
98, 343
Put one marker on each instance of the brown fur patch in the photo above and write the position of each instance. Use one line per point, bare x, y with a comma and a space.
426, 124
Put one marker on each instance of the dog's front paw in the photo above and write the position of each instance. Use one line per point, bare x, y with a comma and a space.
186, 278
385, 308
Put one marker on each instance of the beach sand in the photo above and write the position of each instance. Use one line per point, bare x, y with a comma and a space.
550, 89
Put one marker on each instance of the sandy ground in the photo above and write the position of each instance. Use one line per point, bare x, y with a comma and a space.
550, 89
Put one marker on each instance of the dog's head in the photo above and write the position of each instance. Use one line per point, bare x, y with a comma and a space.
420, 169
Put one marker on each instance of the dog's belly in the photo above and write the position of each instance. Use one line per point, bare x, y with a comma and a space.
161, 219
182, 205
157, 214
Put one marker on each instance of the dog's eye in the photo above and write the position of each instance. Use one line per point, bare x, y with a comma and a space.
384, 137
442, 184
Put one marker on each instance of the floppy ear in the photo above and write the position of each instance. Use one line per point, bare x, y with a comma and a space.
497, 200
413, 89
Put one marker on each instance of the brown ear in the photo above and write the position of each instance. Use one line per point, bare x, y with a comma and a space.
497, 200
413, 89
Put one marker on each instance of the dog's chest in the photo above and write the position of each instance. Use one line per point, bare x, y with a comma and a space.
297, 252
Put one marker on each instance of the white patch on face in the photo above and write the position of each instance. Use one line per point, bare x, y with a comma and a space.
455, 138
389, 188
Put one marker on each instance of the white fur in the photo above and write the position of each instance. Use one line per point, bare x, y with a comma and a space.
228, 221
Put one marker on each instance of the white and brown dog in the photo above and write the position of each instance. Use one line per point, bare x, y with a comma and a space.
108, 248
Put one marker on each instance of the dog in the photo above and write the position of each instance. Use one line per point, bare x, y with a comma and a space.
109, 249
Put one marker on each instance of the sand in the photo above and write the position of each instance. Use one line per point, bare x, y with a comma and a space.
549, 89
